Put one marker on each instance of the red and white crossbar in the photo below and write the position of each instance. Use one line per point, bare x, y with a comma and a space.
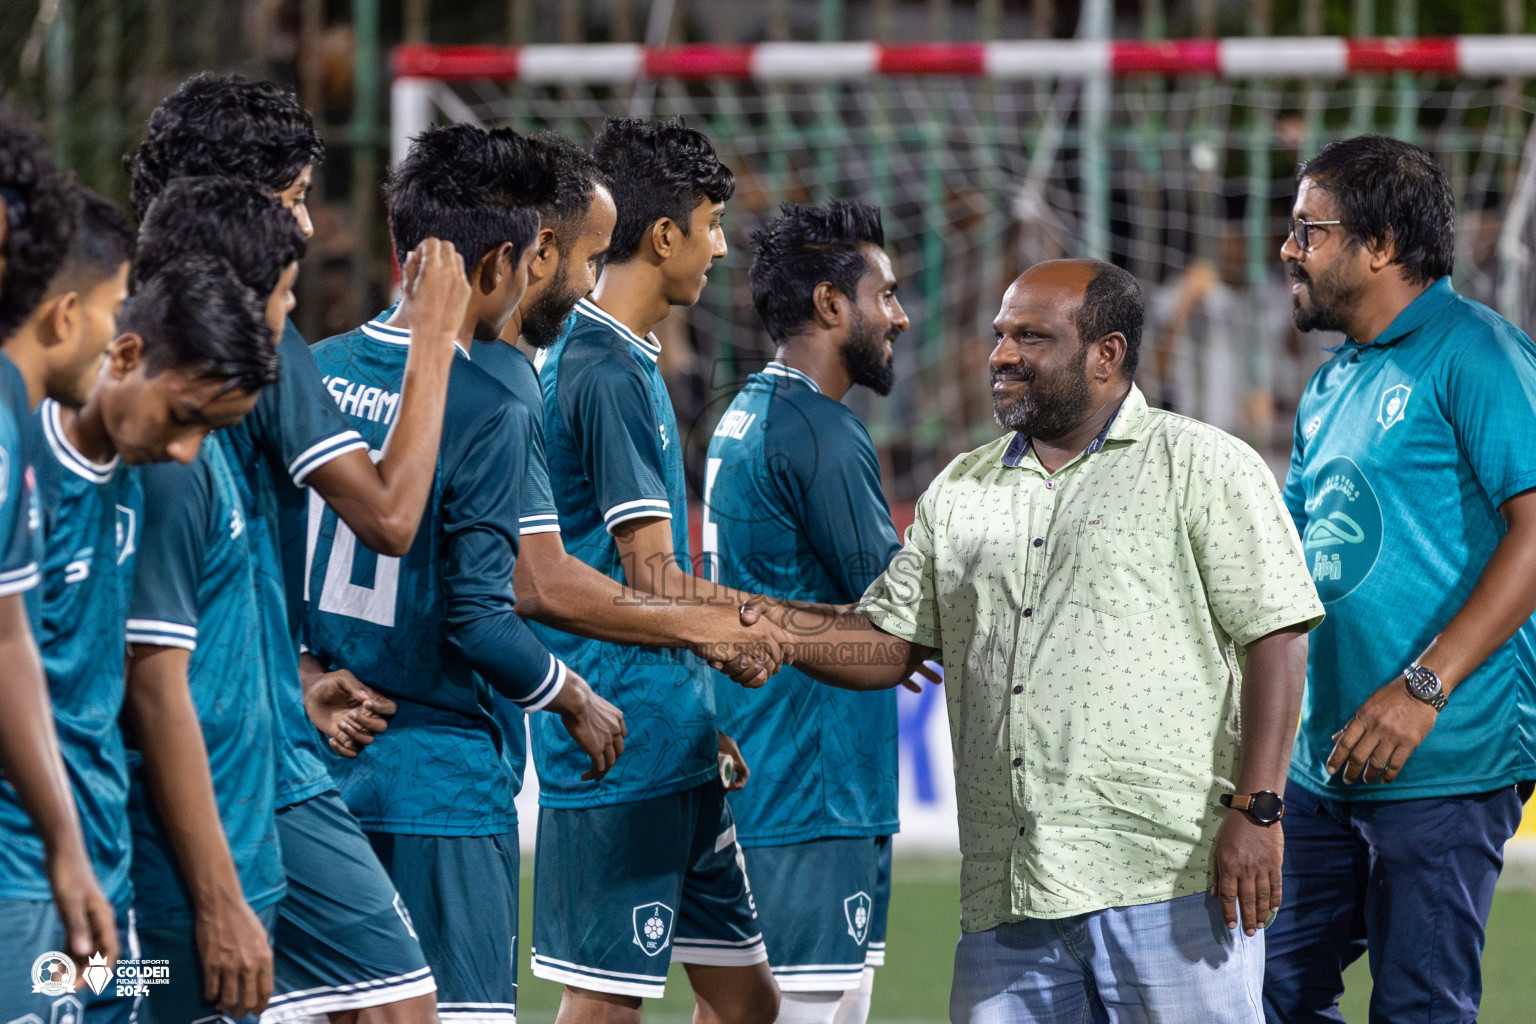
1277, 57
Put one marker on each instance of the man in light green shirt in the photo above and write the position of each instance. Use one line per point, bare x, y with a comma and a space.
1121, 605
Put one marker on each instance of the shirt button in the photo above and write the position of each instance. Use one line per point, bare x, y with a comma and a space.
1039, 541
1050, 485
1018, 761
1018, 689
1021, 830
1028, 612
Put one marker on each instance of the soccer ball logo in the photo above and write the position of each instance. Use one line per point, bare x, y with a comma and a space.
653, 927
1394, 402
53, 974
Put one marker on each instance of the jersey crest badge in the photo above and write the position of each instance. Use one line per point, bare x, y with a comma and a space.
1311, 428
653, 927
1394, 402
856, 909
127, 533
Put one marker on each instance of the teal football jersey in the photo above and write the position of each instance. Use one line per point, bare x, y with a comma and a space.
91, 513
293, 430
194, 588
436, 629
793, 509
615, 455
1404, 450
514, 370
21, 538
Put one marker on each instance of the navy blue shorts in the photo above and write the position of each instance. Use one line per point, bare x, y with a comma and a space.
29, 931
344, 940
461, 896
181, 1001
822, 905
1407, 882
621, 892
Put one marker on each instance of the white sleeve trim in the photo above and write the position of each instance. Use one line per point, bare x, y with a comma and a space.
552, 684
317, 455
524, 531
156, 633
645, 508
19, 581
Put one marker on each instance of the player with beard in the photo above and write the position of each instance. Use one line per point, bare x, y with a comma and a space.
793, 508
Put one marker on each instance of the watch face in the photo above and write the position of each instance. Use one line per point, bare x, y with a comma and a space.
1421, 683
1266, 807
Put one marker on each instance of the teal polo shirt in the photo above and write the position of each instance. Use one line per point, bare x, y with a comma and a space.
1404, 450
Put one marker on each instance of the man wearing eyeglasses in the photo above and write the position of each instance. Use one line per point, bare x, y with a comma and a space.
1413, 484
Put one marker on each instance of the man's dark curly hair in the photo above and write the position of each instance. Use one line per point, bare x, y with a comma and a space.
658, 169
99, 246
198, 318
1390, 190
40, 217
577, 177
236, 220
805, 246
475, 188
225, 125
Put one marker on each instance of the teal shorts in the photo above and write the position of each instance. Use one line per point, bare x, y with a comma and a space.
181, 1001
822, 905
623, 891
460, 893
31, 929
344, 940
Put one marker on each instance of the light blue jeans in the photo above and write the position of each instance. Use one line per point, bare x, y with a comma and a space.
1173, 962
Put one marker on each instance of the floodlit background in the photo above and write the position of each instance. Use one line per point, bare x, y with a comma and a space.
1183, 178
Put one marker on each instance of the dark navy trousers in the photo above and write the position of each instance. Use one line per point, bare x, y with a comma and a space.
1408, 883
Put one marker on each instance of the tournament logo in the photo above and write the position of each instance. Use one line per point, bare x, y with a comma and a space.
1344, 528
653, 927
856, 909
1394, 402
53, 974
97, 973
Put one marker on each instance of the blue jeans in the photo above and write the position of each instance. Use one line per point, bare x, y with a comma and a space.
1173, 962
1408, 882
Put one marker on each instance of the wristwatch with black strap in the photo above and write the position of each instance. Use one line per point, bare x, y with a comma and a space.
1424, 685
1265, 807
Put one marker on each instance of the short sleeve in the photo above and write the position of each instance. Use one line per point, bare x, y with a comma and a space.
295, 421
480, 521
903, 600
1247, 551
1490, 395
538, 513
169, 566
607, 407
843, 509
19, 570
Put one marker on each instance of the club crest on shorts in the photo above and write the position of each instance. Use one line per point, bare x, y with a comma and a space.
653, 927
1394, 402
856, 909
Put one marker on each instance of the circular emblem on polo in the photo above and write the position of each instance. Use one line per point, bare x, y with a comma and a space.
1344, 528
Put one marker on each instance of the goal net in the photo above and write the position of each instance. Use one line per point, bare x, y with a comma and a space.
1174, 159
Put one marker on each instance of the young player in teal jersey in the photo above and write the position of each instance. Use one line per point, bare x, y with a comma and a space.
193, 353
36, 216
793, 509
609, 918
342, 942
436, 630
88, 512
554, 587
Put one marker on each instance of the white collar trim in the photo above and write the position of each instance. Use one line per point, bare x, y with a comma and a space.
647, 346
778, 369
68, 455
378, 330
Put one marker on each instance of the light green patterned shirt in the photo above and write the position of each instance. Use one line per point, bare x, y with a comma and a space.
1091, 623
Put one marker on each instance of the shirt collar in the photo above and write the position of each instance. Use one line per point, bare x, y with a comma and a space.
378, 330
1429, 302
647, 346
1124, 424
778, 369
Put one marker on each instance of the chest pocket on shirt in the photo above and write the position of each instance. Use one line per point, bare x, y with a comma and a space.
1121, 565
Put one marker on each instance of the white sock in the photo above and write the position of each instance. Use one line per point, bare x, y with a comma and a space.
808, 1007
854, 1006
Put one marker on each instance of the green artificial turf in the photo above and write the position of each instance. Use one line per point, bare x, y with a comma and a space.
913, 986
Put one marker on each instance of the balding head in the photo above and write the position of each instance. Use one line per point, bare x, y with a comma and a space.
1107, 300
